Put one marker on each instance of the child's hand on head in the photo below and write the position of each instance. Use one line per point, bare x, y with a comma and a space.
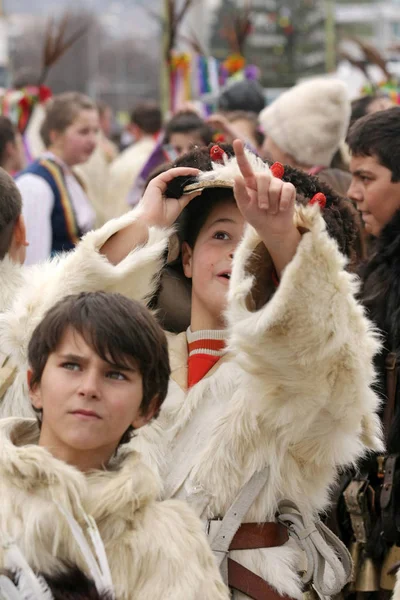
267, 203
157, 209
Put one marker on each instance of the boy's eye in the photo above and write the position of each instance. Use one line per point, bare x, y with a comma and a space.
116, 375
70, 366
221, 235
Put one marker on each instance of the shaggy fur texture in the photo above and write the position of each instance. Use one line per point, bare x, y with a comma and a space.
28, 292
155, 549
293, 392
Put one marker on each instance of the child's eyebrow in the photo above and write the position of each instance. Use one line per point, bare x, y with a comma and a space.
222, 220
83, 359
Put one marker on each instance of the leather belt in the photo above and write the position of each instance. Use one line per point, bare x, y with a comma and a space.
251, 536
259, 535
247, 582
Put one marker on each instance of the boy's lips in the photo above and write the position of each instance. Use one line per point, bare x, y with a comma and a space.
89, 414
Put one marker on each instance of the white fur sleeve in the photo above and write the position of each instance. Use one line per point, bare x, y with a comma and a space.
309, 350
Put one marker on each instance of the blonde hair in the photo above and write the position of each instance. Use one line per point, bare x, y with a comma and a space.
62, 111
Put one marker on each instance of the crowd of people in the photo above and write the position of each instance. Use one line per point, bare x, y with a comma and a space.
199, 342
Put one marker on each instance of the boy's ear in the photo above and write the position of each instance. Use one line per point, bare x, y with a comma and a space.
34, 392
187, 254
20, 232
142, 419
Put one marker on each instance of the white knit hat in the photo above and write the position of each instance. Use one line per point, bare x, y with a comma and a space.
309, 121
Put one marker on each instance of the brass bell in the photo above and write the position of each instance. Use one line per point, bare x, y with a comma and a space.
367, 576
355, 553
388, 575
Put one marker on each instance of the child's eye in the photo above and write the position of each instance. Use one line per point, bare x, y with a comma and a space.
116, 375
221, 235
70, 366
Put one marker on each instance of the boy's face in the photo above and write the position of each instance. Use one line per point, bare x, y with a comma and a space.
377, 196
209, 264
183, 143
88, 404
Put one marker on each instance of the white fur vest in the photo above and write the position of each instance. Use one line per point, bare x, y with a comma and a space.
155, 549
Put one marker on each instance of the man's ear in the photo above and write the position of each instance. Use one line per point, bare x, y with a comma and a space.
187, 255
142, 419
34, 392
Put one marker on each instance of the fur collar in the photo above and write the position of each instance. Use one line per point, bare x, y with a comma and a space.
11, 276
124, 487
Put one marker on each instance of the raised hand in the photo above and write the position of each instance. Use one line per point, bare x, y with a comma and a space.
157, 209
267, 203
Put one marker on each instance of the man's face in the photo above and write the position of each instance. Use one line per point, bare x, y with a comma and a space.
377, 196
209, 264
88, 404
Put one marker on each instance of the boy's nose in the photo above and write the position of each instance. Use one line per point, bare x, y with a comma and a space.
89, 386
355, 192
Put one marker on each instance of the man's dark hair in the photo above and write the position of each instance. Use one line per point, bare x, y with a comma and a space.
7, 134
359, 107
378, 135
242, 95
10, 210
188, 122
119, 330
147, 116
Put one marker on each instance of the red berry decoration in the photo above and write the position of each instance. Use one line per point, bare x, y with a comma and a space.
217, 154
278, 170
320, 199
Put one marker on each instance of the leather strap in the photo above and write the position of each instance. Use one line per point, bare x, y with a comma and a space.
391, 387
247, 582
259, 535
388, 504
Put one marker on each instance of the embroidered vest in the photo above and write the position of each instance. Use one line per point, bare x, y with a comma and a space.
65, 230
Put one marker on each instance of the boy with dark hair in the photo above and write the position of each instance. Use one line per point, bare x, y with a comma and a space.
374, 142
99, 369
185, 131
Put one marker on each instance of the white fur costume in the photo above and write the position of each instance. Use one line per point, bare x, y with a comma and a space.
156, 550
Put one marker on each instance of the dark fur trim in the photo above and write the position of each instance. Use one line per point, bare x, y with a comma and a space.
339, 214
71, 584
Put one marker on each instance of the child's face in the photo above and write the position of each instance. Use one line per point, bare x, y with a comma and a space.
88, 404
209, 264
183, 143
79, 140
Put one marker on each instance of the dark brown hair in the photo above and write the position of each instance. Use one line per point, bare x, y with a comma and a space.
378, 134
8, 134
147, 116
118, 329
10, 210
61, 112
188, 122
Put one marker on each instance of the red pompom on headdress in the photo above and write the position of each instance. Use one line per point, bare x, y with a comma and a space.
217, 154
320, 199
277, 170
